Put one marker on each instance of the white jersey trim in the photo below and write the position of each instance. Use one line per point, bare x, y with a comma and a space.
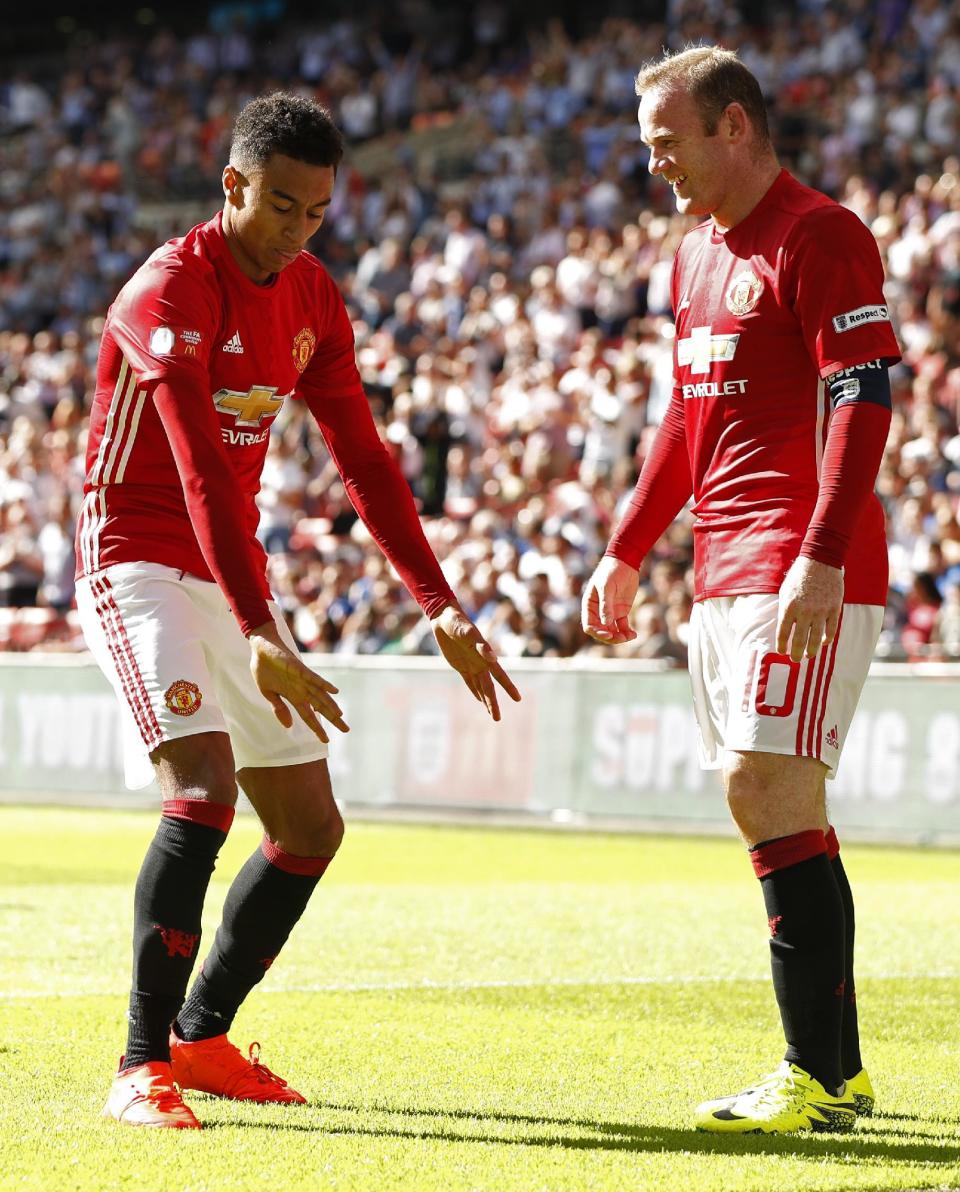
119, 434
821, 431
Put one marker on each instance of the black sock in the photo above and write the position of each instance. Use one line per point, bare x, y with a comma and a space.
850, 1058
266, 900
167, 904
805, 913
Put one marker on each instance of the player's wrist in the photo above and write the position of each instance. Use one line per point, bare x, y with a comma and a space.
616, 557
268, 631
434, 617
825, 556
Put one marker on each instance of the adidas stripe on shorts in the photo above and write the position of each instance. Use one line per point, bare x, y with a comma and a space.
750, 699
180, 665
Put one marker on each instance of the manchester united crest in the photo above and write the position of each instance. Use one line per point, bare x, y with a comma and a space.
303, 344
183, 698
744, 293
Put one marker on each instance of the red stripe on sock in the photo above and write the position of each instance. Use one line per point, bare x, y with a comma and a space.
833, 844
788, 850
200, 811
302, 866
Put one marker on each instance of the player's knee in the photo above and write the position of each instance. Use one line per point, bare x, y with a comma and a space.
321, 837
186, 770
742, 808
747, 793
333, 832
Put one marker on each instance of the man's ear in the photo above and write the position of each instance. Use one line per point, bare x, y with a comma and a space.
736, 122
234, 184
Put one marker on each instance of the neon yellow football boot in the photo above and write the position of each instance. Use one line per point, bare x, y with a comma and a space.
787, 1101
858, 1087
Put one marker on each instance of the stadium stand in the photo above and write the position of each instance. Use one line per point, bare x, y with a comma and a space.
505, 258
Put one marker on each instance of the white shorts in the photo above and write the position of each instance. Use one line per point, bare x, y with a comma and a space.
176, 658
750, 699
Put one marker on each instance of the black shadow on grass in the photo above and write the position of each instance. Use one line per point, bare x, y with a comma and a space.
620, 1136
914, 1117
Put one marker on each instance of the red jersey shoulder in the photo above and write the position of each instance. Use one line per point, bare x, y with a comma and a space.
310, 273
169, 313
181, 263
836, 230
834, 280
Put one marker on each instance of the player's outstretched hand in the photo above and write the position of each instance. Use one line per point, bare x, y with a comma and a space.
811, 599
284, 678
465, 649
607, 600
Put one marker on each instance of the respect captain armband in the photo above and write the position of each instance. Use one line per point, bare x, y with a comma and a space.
868, 382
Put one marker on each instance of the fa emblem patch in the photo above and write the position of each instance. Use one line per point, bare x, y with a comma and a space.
183, 698
744, 293
303, 344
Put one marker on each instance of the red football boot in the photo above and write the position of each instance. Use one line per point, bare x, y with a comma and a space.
146, 1096
216, 1066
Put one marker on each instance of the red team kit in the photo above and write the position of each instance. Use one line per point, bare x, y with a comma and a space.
232, 352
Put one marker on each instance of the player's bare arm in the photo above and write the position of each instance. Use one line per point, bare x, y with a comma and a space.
607, 600
284, 678
811, 598
472, 657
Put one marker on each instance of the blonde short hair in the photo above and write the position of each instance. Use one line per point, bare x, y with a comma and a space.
714, 78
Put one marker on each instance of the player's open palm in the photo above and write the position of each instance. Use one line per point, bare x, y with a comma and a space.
811, 600
283, 679
471, 655
607, 600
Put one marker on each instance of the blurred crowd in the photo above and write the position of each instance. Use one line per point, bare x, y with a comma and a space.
508, 278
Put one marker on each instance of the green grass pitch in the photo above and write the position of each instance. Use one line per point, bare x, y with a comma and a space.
477, 1009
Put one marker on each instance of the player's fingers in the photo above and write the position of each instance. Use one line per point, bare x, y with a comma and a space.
312, 721
506, 683
621, 626
472, 684
476, 676
590, 609
785, 624
328, 708
817, 636
812, 644
489, 695
801, 635
280, 709
604, 608
499, 674
603, 636
831, 627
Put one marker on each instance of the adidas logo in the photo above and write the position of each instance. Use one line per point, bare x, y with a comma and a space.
832, 739
234, 345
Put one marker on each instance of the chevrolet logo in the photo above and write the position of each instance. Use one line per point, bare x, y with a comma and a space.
703, 348
249, 408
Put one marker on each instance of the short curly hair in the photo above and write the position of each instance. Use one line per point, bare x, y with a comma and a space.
286, 124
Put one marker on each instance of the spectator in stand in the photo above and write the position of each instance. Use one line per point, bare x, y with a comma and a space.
922, 609
530, 390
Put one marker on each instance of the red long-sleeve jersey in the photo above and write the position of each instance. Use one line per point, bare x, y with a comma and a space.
195, 362
766, 313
